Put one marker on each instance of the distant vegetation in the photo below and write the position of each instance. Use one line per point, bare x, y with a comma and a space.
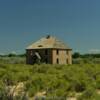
13, 58
77, 58
13, 55
78, 55
86, 58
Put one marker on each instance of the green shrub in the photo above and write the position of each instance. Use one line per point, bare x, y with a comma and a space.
56, 80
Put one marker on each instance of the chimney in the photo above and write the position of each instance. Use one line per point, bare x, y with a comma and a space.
48, 36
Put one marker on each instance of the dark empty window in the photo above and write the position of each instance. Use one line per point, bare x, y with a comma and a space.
67, 61
40, 45
46, 52
57, 61
57, 52
46, 60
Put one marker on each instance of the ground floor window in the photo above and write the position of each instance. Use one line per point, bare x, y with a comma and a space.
67, 61
57, 61
46, 60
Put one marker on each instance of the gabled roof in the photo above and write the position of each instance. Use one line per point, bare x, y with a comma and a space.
48, 42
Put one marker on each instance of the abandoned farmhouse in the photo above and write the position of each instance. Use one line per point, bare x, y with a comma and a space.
48, 50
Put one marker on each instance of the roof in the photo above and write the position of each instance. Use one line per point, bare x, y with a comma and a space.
48, 42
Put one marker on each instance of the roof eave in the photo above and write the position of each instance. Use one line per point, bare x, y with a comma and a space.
48, 48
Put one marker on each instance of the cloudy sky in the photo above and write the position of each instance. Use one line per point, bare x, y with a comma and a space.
76, 22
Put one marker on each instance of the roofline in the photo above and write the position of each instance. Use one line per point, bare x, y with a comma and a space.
50, 48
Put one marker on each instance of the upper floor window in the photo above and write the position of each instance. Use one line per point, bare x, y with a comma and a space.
67, 52
57, 52
46, 52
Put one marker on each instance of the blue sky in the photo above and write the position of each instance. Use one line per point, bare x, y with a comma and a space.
76, 22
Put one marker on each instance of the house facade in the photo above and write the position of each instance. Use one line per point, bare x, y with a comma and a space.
48, 50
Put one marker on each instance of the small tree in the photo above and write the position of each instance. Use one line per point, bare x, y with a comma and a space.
11, 55
76, 55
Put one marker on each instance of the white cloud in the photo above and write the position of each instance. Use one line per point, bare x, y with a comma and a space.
2, 54
94, 51
13, 52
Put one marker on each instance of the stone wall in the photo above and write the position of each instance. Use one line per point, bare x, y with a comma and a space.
61, 56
